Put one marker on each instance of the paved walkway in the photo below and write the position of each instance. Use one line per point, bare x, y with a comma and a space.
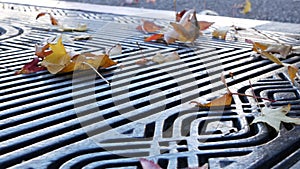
272, 10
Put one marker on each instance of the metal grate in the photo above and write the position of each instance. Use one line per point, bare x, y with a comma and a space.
76, 120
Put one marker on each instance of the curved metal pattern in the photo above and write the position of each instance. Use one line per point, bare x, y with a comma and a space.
75, 120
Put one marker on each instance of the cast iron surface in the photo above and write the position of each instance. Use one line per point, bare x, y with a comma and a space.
76, 120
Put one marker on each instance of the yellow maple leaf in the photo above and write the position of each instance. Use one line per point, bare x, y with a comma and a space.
58, 59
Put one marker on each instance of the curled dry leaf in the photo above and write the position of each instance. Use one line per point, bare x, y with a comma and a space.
142, 61
147, 164
292, 71
58, 59
274, 117
149, 27
115, 50
225, 100
186, 30
220, 33
52, 19
31, 67
96, 61
159, 58
203, 25
63, 28
78, 28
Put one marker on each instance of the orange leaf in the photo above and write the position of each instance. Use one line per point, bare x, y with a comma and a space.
97, 61
292, 71
41, 52
154, 37
52, 19
225, 100
41, 14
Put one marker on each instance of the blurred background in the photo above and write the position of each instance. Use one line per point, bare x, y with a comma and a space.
271, 10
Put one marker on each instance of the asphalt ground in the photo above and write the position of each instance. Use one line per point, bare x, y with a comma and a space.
272, 10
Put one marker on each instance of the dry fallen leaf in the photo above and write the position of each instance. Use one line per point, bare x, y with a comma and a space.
115, 50
203, 25
159, 58
292, 71
58, 59
186, 30
63, 28
78, 28
147, 164
225, 100
142, 61
220, 33
96, 61
31, 67
247, 7
52, 19
155, 37
274, 117
149, 27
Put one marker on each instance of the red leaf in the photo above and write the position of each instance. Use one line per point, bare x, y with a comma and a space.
147, 164
31, 67
154, 37
179, 15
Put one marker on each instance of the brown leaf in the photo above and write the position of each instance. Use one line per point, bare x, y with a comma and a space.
225, 100
148, 27
292, 71
97, 61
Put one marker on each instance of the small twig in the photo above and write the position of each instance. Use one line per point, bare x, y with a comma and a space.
255, 97
141, 50
97, 72
265, 35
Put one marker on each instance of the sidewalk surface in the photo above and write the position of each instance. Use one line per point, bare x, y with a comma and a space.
272, 10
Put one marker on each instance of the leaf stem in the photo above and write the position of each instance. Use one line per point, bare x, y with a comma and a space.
265, 35
97, 72
255, 97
